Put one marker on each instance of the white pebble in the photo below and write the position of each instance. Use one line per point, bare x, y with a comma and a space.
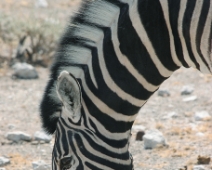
202, 116
189, 99
4, 161
153, 138
42, 136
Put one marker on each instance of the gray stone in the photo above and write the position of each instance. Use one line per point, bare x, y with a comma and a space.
202, 116
186, 90
18, 136
190, 99
40, 165
200, 134
153, 138
163, 93
4, 161
42, 136
24, 71
138, 128
170, 115
11, 126
41, 3
198, 167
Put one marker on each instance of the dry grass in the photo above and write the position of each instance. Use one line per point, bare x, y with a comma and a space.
18, 161
188, 114
159, 125
3, 68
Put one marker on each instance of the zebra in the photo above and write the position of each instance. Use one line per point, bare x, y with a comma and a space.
112, 57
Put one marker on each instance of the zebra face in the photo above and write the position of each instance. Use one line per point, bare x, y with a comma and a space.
69, 93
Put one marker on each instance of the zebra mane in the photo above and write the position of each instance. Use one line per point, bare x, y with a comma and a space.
81, 32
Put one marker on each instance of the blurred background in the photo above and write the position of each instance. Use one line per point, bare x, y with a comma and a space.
29, 32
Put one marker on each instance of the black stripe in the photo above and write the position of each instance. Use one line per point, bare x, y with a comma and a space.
97, 159
151, 15
186, 29
119, 73
111, 142
109, 123
101, 149
174, 9
200, 29
134, 49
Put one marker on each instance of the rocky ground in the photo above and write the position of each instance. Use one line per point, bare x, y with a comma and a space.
186, 138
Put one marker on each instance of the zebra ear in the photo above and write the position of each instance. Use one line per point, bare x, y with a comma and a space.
69, 92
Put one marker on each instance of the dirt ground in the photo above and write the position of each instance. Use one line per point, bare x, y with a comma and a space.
19, 111
19, 103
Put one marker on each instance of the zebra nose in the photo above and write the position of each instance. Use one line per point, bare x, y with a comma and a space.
65, 163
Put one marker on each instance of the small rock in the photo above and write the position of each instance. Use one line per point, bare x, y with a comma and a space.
139, 136
11, 126
18, 136
189, 99
170, 115
193, 126
163, 93
138, 128
199, 167
200, 134
202, 116
40, 165
4, 161
204, 160
24, 71
41, 3
184, 168
153, 138
42, 136
34, 142
186, 90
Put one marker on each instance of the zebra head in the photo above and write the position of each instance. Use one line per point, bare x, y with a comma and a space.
69, 92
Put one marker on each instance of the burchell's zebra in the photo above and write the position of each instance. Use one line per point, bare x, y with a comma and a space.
113, 56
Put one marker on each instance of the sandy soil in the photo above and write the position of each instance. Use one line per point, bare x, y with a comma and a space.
19, 103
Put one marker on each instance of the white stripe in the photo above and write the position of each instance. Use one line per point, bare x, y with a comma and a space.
96, 139
80, 55
124, 60
165, 7
112, 85
59, 143
180, 31
193, 31
78, 73
105, 15
85, 159
101, 155
206, 38
137, 24
101, 128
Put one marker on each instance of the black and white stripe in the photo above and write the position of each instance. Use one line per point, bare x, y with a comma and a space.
120, 51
